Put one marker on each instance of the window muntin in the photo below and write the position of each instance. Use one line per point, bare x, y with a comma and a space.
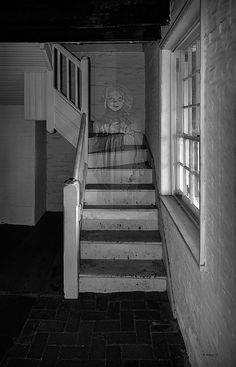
187, 152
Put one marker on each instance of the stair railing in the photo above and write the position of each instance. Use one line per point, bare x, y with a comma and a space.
74, 191
71, 80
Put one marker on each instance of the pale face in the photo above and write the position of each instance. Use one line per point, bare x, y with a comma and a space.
115, 101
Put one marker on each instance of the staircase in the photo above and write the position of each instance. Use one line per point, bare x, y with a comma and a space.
111, 237
121, 248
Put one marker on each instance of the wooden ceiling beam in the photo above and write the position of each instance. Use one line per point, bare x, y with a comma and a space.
83, 21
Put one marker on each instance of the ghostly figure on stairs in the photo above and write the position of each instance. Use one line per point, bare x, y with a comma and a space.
117, 130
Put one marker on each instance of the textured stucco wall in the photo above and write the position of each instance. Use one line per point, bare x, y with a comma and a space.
206, 301
60, 163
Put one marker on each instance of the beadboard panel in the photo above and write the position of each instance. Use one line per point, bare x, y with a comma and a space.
17, 166
35, 92
40, 169
11, 87
23, 56
67, 119
60, 163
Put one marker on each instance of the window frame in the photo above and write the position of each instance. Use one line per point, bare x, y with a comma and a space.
177, 105
190, 16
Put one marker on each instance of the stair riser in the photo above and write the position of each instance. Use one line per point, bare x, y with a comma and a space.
109, 285
109, 176
128, 140
147, 251
121, 225
112, 159
119, 197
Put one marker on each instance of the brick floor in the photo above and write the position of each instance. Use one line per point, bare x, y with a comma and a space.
133, 329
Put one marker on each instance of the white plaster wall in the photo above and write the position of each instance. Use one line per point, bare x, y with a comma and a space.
40, 169
206, 301
125, 68
152, 101
60, 163
17, 166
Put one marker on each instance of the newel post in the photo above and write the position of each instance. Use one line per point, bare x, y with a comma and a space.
85, 98
71, 201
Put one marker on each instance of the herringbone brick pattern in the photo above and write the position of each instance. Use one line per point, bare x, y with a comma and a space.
133, 329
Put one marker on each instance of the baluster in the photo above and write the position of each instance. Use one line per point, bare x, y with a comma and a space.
59, 71
76, 87
67, 79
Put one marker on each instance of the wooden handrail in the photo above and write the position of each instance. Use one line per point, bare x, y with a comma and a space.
67, 54
80, 148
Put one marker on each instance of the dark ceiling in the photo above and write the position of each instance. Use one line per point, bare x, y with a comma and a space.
83, 21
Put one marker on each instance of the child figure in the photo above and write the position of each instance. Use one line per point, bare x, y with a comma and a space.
117, 128
117, 118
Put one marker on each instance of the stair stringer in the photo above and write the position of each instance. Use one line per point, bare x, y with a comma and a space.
165, 254
67, 118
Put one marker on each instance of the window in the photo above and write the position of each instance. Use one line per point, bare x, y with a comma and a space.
186, 158
182, 85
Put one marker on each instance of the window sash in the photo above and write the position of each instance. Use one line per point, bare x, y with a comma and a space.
187, 133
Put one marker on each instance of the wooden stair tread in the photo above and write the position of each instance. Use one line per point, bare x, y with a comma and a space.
124, 148
119, 187
120, 207
122, 268
127, 166
121, 236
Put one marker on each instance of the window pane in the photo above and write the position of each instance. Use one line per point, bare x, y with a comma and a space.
194, 89
181, 173
185, 64
187, 153
194, 58
188, 97
196, 156
187, 183
196, 191
198, 88
186, 92
186, 127
181, 150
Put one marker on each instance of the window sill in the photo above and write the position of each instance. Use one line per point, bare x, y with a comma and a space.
186, 226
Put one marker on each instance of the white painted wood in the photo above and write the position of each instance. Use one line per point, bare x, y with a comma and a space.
165, 183
112, 159
22, 56
67, 119
17, 167
71, 197
35, 87
204, 143
120, 197
122, 275
118, 219
11, 87
85, 98
50, 105
121, 250
120, 176
121, 284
